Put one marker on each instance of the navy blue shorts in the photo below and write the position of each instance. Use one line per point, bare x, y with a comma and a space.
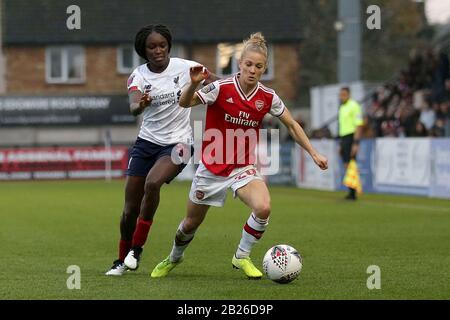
144, 154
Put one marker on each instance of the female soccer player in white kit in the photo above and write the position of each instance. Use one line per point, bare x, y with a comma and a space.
236, 103
154, 90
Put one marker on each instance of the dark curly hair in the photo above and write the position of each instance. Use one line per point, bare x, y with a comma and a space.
141, 38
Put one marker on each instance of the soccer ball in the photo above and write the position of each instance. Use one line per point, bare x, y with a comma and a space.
282, 263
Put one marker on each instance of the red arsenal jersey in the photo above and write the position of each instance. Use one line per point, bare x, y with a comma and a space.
233, 120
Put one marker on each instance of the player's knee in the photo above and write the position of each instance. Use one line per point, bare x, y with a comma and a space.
130, 211
262, 211
152, 186
191, 224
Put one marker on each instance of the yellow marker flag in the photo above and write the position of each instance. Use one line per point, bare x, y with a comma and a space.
351, 178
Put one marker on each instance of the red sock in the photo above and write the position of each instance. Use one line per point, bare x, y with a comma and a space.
141, 232
124, 247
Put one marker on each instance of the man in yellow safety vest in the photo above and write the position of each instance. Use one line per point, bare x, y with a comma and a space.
350, 129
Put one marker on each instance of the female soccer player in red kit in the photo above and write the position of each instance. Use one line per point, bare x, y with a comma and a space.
239, 104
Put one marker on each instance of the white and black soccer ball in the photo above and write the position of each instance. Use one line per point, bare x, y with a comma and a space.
282, 263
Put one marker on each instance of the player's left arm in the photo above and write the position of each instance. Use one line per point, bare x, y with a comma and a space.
299, 136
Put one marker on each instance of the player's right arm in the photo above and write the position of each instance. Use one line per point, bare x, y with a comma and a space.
138, 101
138, 96
188, 97
299, 136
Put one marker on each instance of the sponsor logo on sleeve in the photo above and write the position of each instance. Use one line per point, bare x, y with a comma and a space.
130, 80
210, 87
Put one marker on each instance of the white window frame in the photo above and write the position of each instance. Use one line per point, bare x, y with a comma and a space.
178, 49
136, 59
64, 79
235, 64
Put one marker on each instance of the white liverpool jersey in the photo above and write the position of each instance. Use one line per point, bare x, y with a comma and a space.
164, 121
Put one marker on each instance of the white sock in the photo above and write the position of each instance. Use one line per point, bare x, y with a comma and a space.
252, 232
180, 243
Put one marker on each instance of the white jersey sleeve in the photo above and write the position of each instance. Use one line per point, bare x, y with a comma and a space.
191, 63
135, 81
208, 94
277, 107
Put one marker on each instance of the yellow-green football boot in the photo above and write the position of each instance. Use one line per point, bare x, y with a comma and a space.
164, 267
246, 265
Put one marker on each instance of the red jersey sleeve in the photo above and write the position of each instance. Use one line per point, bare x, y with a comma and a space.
208, 94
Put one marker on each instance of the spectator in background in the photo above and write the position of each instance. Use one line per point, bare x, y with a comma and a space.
367, 130
419, 130
438, 130
421, 93
440, 76
350, 130
405, 117
441, 125
376, 114
388, 128
427, 116
443, 110
444, 115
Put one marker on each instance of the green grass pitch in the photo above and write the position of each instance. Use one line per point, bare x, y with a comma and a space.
47, 226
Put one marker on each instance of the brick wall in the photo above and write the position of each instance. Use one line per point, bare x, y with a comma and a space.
286, 68
25, 72
206, 55
286, 71
25, 75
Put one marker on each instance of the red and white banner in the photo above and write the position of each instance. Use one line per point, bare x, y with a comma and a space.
63, 163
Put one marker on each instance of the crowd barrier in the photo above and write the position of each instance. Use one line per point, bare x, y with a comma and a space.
414, 166
63, 163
